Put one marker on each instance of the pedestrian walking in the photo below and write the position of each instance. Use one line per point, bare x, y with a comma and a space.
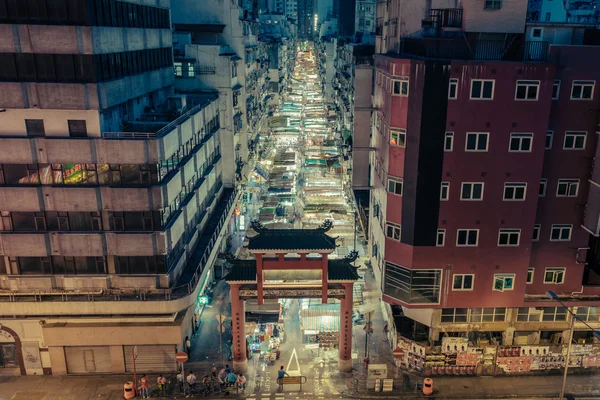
144, 387
188, 345
280, 374
221, 378
191, 381
161, 382
181, 381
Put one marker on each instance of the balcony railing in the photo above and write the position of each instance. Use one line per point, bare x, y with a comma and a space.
460, 49
204, 70
444, 18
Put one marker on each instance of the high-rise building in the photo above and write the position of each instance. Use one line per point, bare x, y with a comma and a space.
345, 12
365, 17
291, 9
485, 191
112, 192
306, 18
568, 11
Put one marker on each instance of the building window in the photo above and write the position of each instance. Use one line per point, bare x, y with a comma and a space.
449, 141
549, 140
583, 90
509, 237
543, 185
453, 89
191, 72
588, 314
555, 90
35, 127
527, 90
233, 70
554, 275
574, 140
567, 188
536, 33
520, 142
503, 282
561, 233
395, 186
376, 210
234, 97
420, 286
471, 191
441, 238
178, 68
77, 128
536, 232
454, 314
477, 142
493, 4
530, 272
400, 88
482, 89
548, 16
467, 237
398, 138
487, 314
393, 231
445, 191
463, 282
515, 191
554, 314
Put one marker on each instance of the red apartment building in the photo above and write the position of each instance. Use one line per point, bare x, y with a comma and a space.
485, 193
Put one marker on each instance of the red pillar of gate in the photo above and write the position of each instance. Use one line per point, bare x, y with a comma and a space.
259, 278
324, 269
238, 322
347, 303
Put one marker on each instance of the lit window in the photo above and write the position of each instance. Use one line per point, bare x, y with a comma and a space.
554, 275
395, 186
567, 188
453, 89
482, 89
441, 238
467, 237
555, 90
509, 237
398, 138
393, 231
561, 233
504, 282
527, 90
530, 272
574, 140
583, 90
515, 191
471, 191
449, 141
463, 282
543, 185
178, 69
549, 139
445, 191
536, 232
520, 142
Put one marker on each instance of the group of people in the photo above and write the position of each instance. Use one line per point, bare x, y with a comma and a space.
144, 388
222, 379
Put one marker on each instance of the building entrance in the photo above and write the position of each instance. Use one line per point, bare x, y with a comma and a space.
8, 355
309, 275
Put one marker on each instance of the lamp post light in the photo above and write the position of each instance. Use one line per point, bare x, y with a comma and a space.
596, 334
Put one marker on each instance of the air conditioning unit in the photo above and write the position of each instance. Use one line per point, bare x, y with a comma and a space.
178, 102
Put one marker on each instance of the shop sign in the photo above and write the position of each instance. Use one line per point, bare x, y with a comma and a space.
203, 300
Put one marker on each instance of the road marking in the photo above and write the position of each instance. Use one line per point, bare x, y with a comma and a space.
294, 354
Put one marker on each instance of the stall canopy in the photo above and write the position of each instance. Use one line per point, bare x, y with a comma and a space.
262, 318
325, 319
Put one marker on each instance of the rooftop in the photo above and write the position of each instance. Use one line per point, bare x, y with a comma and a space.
291, 240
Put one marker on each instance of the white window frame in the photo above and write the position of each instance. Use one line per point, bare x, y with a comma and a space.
530, 275
447, 186
401, 134
471, 185
483, 81
537, 231
583, 84
532, 315
449, 136
558, 275
549, 134
468, 231
528, 84
509, 233
397, 182
403, 83
544, 185
560, 228
575, 135
520, 137
556, 85
568, 184
453, 83
462, 287
503, 277
540, 30
441, 233
477, 139
515, 185
396, 228
478, 315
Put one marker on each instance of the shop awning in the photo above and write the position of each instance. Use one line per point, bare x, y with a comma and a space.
262, 318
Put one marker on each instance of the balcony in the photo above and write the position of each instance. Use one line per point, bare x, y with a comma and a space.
443, 18
460, 49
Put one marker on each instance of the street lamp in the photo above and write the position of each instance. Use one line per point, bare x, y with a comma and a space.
596, 334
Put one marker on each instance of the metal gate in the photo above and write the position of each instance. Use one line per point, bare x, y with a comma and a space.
157, 358
88, 360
